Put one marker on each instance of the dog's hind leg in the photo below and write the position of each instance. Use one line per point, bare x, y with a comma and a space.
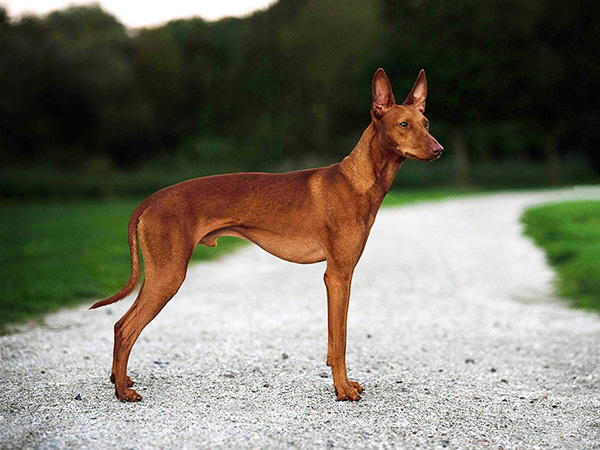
153, 296
165, 260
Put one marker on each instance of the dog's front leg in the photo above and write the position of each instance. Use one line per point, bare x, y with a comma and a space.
337, 280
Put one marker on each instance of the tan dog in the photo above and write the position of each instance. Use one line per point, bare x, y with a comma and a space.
307, 216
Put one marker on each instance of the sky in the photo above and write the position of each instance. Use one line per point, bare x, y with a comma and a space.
140, 13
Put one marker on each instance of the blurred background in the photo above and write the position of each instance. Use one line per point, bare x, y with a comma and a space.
92, 108
99, 109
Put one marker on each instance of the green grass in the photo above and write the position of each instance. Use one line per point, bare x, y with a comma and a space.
54, 255
570, 234
408, 196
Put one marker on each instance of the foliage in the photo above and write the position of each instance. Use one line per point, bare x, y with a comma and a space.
570, 234
502, 60
291, 84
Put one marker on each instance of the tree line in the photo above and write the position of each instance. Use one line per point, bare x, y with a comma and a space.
291, 85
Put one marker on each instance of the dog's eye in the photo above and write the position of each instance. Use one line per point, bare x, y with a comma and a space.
403, 124
427, 125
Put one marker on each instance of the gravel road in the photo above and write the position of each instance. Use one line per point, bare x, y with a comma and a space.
454, 331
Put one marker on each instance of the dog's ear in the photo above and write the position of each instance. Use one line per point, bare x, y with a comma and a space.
418, 94
383, 97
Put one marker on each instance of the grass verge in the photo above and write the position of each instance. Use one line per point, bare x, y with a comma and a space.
569, 233
409, 196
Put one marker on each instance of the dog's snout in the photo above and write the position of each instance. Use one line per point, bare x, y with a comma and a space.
437, 149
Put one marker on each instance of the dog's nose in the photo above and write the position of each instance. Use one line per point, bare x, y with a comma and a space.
437, 149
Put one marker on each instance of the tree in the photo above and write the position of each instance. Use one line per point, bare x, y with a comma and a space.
99, 53
69, 90
559, 65
322, 49
465, 47
500, 60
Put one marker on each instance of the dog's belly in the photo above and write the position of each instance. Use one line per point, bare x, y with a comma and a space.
289, 248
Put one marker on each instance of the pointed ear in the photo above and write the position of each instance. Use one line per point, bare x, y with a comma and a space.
383, 97
418, 94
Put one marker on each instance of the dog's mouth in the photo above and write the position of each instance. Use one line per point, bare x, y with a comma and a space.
419, 158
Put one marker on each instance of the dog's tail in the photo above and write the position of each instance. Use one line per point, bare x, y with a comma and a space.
135, 261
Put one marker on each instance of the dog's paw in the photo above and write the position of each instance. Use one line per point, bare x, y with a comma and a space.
350, 391
357, 386
128, 395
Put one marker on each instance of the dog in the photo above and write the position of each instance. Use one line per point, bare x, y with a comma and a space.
306, 216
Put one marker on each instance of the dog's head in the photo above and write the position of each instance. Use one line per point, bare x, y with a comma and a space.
403, 129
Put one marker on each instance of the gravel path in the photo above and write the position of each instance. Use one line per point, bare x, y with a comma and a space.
454, 331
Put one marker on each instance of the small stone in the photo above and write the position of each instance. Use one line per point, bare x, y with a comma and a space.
469, 361
284, 356
324, 375
78, 397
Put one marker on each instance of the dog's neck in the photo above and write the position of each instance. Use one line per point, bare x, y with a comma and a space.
371, 168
